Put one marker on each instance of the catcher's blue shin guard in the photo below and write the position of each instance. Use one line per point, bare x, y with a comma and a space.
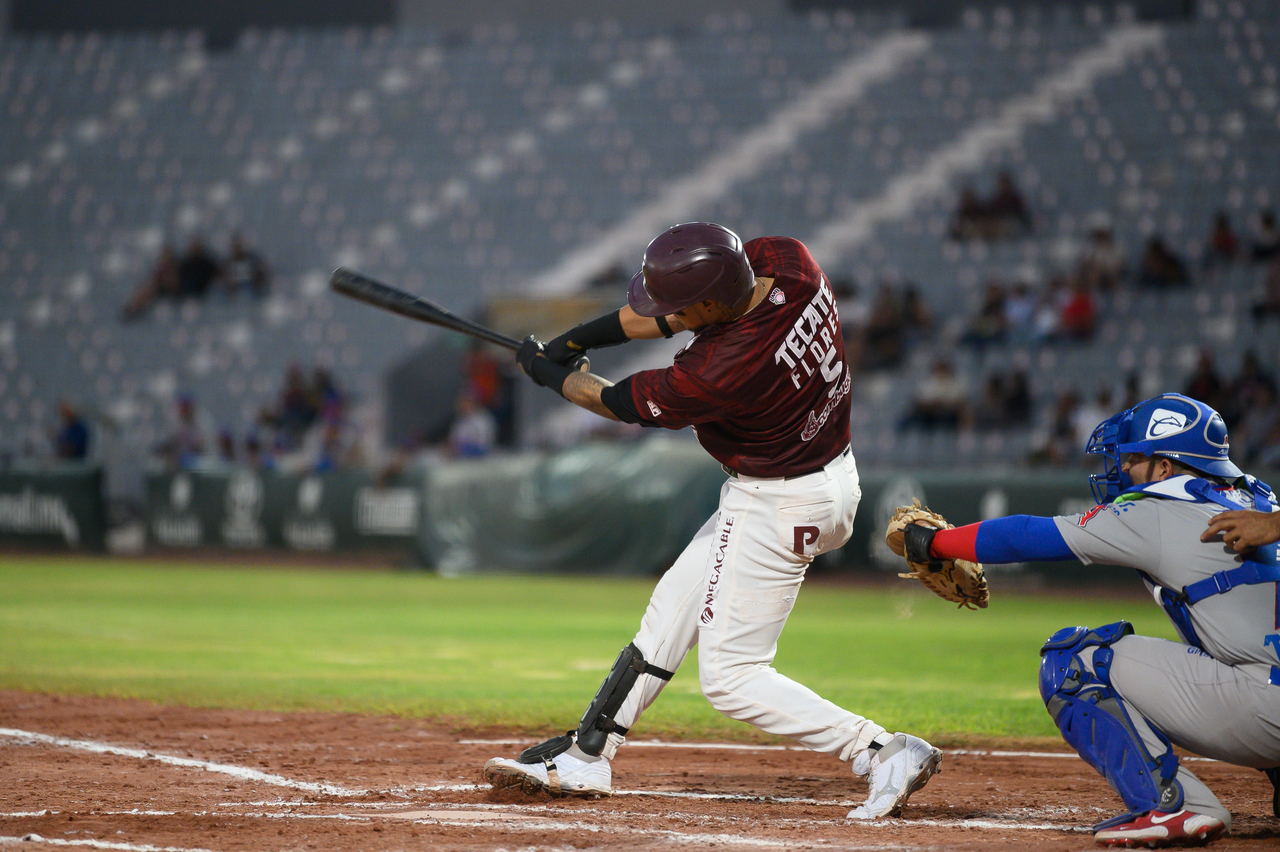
1096, 723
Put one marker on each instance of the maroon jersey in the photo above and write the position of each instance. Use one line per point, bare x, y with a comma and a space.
767, 394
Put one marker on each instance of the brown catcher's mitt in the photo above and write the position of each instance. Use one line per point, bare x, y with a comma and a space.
957, 580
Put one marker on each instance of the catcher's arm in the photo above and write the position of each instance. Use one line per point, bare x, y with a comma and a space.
1016, 538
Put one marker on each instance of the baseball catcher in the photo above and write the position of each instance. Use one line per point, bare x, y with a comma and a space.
766, 385
1124, 701
960, 581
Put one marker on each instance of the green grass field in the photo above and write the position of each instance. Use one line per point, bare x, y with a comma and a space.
519, 652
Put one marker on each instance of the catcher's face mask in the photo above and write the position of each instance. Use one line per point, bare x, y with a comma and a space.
1104, 441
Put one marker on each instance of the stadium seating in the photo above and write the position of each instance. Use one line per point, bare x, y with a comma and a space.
460, 166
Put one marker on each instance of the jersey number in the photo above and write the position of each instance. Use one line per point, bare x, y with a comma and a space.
1274, 641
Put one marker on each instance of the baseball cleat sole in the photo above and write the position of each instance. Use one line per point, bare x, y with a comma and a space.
504, 774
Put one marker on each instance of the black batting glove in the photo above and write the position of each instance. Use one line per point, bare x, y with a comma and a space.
563, 351
530, 349
916, 541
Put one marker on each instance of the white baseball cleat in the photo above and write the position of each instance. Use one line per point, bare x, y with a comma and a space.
897, 770
562, 775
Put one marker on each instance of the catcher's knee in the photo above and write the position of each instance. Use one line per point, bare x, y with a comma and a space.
1095, 721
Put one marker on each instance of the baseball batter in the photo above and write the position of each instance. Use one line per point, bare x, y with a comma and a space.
765, 386
1122, 700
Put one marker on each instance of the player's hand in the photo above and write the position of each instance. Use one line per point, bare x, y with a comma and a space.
562, 350
1242, 529
530, 349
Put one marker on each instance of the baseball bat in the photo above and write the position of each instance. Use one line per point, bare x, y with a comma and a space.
373, 292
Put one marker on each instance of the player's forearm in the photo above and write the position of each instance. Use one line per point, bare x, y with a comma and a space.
1017, 538
1243, 529
647, 328
583, 390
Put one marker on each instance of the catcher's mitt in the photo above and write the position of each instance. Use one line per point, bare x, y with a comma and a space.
957, 580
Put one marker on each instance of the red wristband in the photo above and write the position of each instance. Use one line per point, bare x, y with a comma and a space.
959, 543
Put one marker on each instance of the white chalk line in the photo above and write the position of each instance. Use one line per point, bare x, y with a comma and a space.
241, 772
747, 747
28, 839
537, 821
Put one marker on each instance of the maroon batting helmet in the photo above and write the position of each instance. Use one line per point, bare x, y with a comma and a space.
688, 264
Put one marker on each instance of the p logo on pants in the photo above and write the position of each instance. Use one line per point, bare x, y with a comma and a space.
805, 540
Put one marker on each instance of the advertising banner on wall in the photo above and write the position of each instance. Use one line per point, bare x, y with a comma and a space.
240, 508
55, 505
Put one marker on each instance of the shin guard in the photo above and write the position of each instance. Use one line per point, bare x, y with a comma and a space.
597, 723
1094, 720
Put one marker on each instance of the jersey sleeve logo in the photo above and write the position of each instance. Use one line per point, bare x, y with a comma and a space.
653, 409
777, 296
1089, 515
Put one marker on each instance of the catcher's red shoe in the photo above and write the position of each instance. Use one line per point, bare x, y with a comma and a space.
1162, 828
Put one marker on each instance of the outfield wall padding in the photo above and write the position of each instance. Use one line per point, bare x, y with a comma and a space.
602, 508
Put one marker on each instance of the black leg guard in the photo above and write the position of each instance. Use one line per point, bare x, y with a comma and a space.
597, 723
543, 752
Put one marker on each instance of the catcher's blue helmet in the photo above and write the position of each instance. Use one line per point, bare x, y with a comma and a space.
1170, 425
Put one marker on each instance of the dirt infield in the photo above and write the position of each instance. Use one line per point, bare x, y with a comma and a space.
80, 772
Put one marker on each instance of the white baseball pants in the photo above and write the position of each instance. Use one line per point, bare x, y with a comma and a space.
730, 593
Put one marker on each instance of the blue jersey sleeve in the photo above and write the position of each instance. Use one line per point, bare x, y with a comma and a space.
1020, 538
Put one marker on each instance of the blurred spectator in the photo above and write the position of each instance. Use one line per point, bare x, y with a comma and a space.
1101, 264
990, 411
256, 456
1005, 401
245, 270
296, 409
1266, 245
488, 382
186, 443
1132, 390
226, 446
1089, 414
1019, 311
161, 283
1060, 445
940, 400
337, 450
886, 331
1270, 304
852, 307
1079, 315
474, 430
915, 311
1002, 216
1160, 267
1017, 399
71, 440
1256, 435
1250, 385
324, 390
1223, 246
1007, 209
1204, 383
969, 222
990, 326
197, 270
